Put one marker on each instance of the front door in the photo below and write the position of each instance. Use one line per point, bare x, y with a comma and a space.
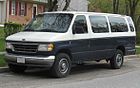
80, 42
34, 12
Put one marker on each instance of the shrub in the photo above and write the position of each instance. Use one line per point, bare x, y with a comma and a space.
11, 28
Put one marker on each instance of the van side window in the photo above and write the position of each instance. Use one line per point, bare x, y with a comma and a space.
80, 25
99, 24
130, 24
118, 24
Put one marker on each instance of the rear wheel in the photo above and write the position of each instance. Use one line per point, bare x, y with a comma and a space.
17, 68
62, 66
117, 61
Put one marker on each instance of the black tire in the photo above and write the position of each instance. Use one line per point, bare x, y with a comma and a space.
17, 68
62, 66
117, 61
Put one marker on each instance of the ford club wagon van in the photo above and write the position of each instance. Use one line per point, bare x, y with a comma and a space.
60, 39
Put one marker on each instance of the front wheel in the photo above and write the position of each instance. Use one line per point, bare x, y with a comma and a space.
62, 66
117, 61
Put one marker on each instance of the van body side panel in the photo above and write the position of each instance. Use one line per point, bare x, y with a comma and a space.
80, 49
104, 48
130, 47
101, 48
127, 42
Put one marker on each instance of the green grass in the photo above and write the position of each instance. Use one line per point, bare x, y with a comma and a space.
2, 41
2, 61
2, 44
137, 50
1, 32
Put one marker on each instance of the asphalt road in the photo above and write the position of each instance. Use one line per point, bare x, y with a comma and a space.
95, 75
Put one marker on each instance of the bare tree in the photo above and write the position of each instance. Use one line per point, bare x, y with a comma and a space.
137, 23
52, 5
66, 5
116, 6
126, 7
132, 7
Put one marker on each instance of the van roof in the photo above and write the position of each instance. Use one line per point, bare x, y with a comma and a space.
89, 13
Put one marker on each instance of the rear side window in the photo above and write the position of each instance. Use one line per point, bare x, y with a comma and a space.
118, 24
80, 25
130, 24
99, 24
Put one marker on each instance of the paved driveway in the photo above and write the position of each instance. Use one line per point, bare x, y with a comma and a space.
97, 75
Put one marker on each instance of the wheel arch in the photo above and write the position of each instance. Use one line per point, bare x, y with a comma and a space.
122, 48
66, 51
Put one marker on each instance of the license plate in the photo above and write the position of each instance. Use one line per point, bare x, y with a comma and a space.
20, 60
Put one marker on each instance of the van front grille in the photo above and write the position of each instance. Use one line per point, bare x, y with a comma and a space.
25, 48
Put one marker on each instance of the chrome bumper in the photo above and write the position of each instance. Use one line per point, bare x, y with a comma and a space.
31, 60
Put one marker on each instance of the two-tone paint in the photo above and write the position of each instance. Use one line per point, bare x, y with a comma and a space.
80, 47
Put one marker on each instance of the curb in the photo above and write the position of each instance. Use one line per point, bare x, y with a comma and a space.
4, 69
137, 46
1, 25
2, 53
133, 56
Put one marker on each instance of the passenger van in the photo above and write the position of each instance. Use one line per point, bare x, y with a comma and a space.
59, 40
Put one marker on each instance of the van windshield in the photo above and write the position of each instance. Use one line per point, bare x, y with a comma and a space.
51, 22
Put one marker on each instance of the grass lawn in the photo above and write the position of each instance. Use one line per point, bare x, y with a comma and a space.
137, 50
2, 41
2, 44
1, 32
2, 61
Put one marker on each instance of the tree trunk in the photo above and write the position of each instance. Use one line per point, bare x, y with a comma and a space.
132, 6
116, 6
138, 24
126, 7
53, 5
66, 5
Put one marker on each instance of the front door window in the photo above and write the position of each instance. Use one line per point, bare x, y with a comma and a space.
80, 25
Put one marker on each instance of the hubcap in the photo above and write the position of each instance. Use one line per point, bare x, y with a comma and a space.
63, 65
119, 59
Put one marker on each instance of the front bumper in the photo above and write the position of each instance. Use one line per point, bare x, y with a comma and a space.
30, 60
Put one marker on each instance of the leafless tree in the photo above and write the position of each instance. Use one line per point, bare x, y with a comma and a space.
132, 7
52, 5
126, 7
116, 6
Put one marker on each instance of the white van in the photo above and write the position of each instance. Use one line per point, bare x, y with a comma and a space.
59, 39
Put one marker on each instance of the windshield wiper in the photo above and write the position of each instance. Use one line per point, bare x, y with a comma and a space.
48, 30
41, 30
28, 29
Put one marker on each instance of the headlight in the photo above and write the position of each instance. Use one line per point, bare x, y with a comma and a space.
45, 47
9, 46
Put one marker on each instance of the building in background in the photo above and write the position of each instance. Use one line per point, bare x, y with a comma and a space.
2, 11
22, 11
